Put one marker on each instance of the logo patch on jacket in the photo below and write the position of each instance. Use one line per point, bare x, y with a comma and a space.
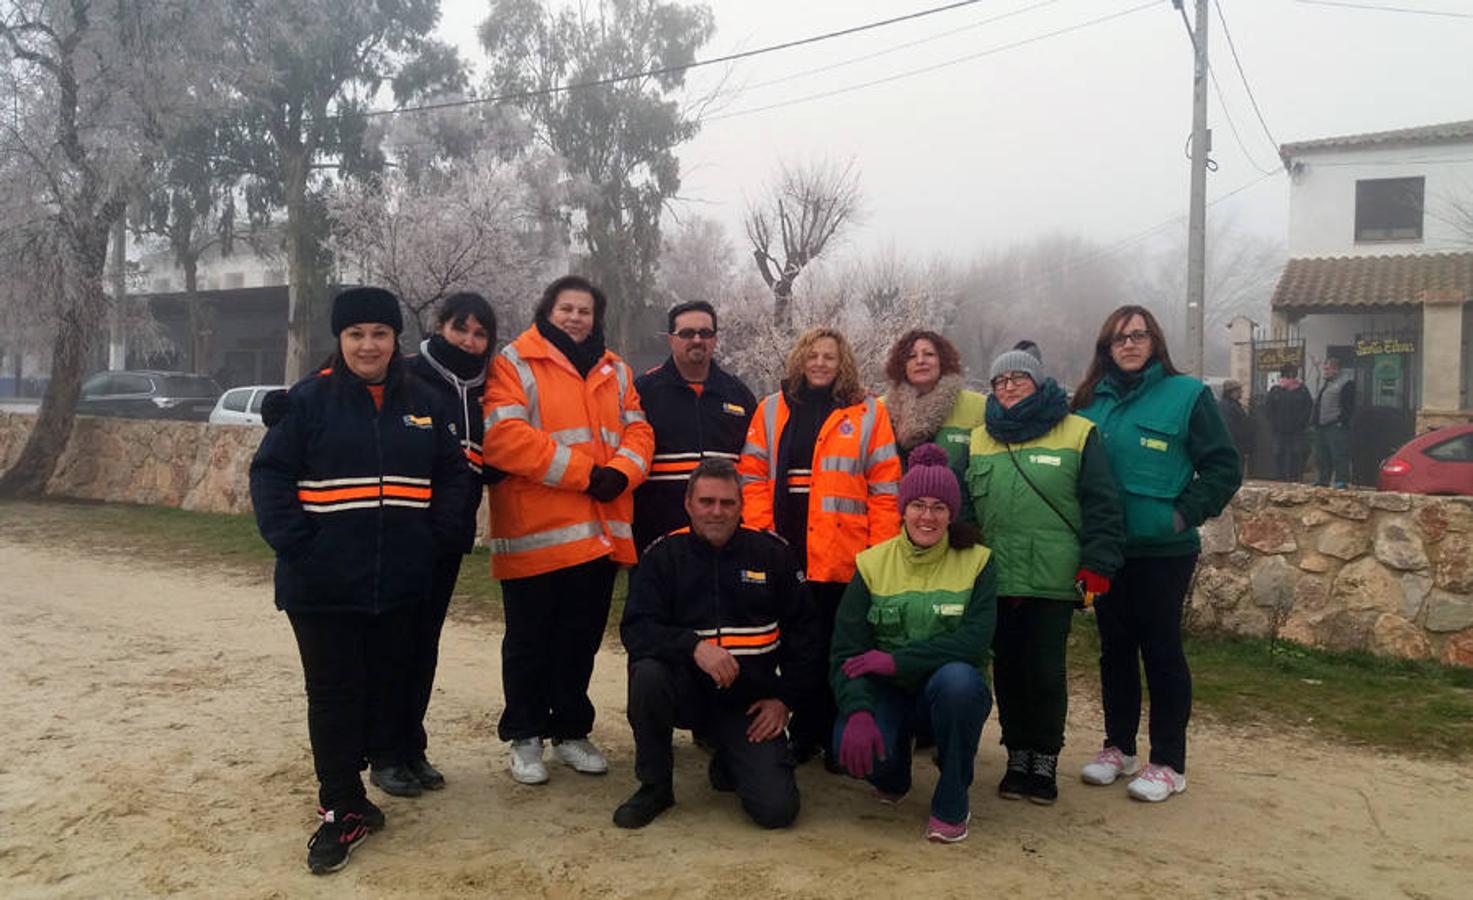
1154, 444
734, 409
413, 421
750, 576
959, 438
846, 428
1044, 459
949, 609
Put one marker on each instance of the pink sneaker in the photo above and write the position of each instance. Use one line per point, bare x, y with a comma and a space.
946, 833
1108, 765
1157, 783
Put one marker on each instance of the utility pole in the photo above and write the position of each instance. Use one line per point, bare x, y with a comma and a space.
1197, 212
117, 339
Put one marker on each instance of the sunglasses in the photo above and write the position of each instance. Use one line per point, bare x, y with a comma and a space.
689, 334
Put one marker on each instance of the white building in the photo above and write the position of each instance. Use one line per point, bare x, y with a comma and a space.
1381, 271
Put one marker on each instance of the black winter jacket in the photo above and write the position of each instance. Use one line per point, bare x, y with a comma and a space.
356, 502
747, 596
687, 428
464, 399
1289, 409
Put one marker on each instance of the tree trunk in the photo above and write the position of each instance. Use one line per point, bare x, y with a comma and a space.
782, 305
190, 264
301, 279
53, 428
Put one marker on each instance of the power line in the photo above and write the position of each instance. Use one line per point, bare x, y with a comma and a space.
663, 70
1376, 7
1244, 75
933, 67
1222, 101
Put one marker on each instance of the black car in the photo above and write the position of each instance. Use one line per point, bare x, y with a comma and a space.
148, 395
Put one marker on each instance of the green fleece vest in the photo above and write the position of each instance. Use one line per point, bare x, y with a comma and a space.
1145, 439
1037, 553
955, 434
915, 593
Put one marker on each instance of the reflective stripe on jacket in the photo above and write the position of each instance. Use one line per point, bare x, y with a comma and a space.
852, 501
547, 427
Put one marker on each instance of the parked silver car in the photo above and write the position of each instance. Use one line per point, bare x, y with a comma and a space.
242, 405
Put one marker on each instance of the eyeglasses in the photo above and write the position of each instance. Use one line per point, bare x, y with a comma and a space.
921, 507
1011, 379
690, 334
1139, 336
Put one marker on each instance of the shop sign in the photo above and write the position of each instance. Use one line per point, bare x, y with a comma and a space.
1270, 359
1382, 346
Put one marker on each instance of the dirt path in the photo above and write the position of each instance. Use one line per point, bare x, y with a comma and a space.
155, 742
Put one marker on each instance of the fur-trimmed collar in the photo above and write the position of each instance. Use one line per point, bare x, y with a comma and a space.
917, 417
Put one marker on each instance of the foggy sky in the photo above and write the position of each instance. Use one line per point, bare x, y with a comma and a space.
1082, 132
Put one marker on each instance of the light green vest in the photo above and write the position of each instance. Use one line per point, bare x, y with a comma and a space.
955, 434
917, 594
1037, 553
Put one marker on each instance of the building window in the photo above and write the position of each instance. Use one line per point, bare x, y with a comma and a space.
1389, 209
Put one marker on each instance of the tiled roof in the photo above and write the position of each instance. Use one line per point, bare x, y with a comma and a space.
1425, 134
1350, 282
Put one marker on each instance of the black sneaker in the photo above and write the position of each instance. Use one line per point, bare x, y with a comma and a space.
329, 848
398, 781
1015, 781
427, 775
1043, 785
373, 817
646, 804
719, 776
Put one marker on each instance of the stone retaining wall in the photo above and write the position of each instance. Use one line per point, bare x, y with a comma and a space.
1343, 570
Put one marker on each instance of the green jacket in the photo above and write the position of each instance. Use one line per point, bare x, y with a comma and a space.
926, 607
1040, 547
1171, 453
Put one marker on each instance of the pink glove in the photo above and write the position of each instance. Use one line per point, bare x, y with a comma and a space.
870, 662
861, 743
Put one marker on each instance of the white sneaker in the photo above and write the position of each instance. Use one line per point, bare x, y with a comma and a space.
526, 761
1157, 783
582, 756
1108, 765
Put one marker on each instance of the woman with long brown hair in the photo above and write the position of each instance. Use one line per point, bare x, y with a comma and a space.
1176, 467
927, 400
820, 468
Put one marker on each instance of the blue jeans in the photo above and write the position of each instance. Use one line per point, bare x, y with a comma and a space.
951, 708
1332, 455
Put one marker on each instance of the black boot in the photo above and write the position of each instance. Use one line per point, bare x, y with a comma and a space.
1043, 785
646, 804
1014, 784
397, 780
720, 776
428, 776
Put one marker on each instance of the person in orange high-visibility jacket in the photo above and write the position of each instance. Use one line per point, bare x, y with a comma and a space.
563, 421
821, 469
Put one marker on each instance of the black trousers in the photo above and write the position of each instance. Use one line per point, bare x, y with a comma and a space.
1289, 457
1029, 676
429, 621
355, 666
662, 697
813, 722
554, 625
1140, 623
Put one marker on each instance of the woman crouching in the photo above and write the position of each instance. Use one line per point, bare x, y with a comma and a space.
911, 645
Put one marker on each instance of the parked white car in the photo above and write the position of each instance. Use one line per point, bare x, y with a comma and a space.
242, 405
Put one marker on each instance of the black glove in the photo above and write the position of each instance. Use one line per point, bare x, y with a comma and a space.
604, 483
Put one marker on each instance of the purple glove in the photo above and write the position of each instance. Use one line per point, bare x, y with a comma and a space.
860, 744
870, 662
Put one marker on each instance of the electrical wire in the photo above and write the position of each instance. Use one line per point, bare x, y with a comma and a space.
934, 66
1376, 7
663, 70
1222, 101
1244, 75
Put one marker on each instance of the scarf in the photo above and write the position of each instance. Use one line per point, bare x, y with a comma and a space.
1030, 417
917, 417
583, 355
464, 371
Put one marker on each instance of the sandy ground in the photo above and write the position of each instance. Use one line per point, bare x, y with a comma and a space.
155, 742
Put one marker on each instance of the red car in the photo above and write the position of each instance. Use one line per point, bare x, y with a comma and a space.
1438, 462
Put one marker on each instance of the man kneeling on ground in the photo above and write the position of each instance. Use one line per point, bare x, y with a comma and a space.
721, 637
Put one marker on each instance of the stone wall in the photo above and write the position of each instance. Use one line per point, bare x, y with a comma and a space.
1342, 570
189, 465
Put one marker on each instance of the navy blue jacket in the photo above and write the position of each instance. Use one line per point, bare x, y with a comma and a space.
355, 501
747, 597
688, 427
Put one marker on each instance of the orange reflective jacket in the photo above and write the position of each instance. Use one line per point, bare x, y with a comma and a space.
852, 500
547, 427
